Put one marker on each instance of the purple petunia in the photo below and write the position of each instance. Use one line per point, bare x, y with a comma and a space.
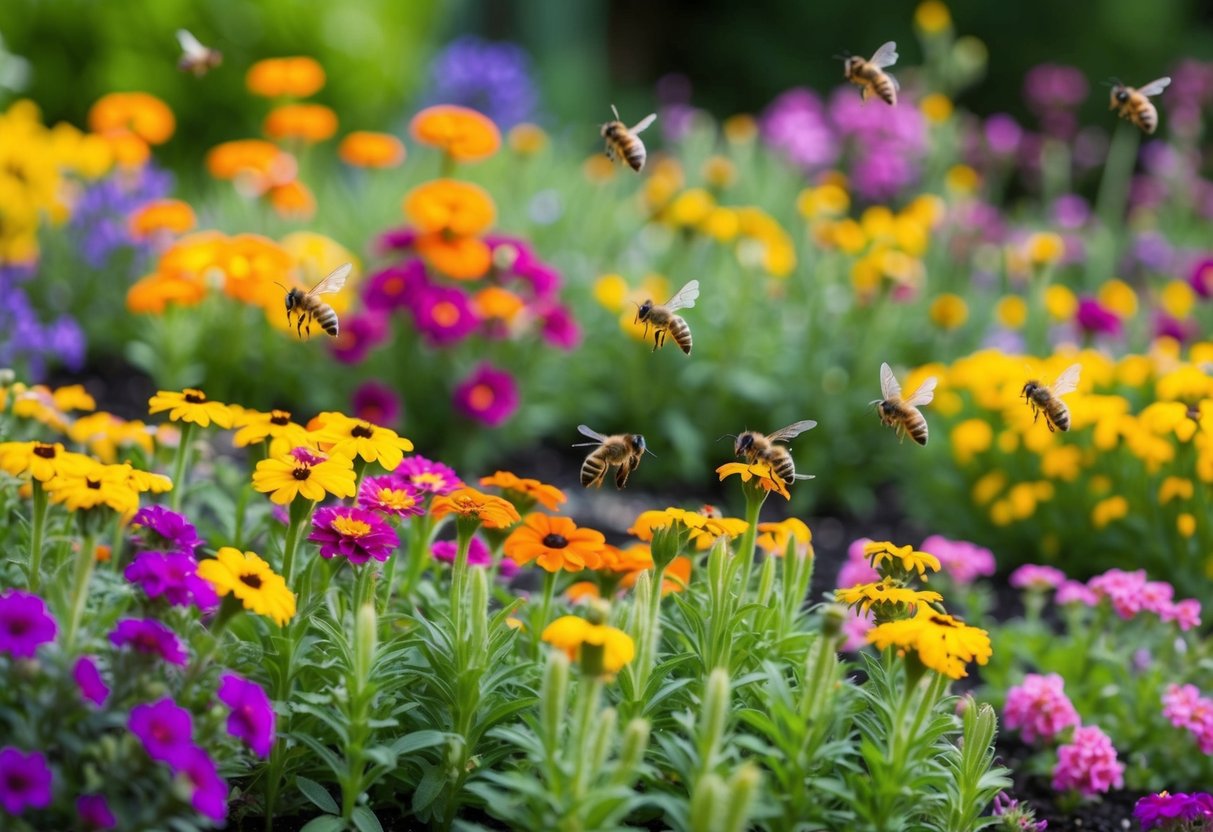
488, 395
1094, 318
25, 625
88, 680
173, 576
1002, 134
559, 328
427, 475
1156, 810
148, 635
252, 718
795, 124
165, 729
210, 790
376, 403
94, 812
1200, 278
157, 527
25, 781
354, 533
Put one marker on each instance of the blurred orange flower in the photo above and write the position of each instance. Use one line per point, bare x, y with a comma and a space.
154, 293
163, 215
292, 200
306, 122
465, 135
460, 258
450, 206
193, 255
273, 77
127, 149
145, 115
251, 265
365, 149
258, 162
495, 302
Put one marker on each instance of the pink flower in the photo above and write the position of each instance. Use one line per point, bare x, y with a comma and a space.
1156, 597
1181, 704
857, 569
1039, 708
855, 628
1075, 592
1123, 589
1186, 614
376, 403
964, 562
1088, 763
1038, 578
488, 395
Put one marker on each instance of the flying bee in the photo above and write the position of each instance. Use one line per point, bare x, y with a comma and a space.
1135, 104
195, 57
759, 447
902, 414
1047, 400
624, 143
308, 306
664, 320
622, 449
870, 75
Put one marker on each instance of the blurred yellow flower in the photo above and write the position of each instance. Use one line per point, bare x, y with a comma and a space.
1045, 248
969, 438
911, 234
740, 129
1177, 299
1021, 500
1062, 462
721, 224
932, 17
719, 172
690, 207
1119, 297
1011, 311
1175, 488
877, 222
848, 235
988, 487
828, 200
927, 209
598, 169
949, 311
962, 179
527, 139
1186, 524
1060, 302
1109, 510
611, 291
936, 107
143, 115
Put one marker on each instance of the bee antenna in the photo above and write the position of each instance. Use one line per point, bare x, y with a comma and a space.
616, 112
288, 288
733, 435
845, 56
649, 452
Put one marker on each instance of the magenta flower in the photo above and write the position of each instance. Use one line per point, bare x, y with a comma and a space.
173, 576
1184, 707
396, 239
306, 456
1200, 278
857, 569
1052, 92
488, 395
376, 403
559, 328
964, 562
514, 257
795, 124
1071, 211
94, 812
391, 494
1167, 327
358, 335
1185, 613
1095, 319
88, 679
25, 781
354, 533
855, 626
1037, 578
156, 527
149, 636
394, 287
1003, 134
478, 552
1123, 589
1156, 597
25, 624
1088, 764
444, 316
252, 718
1075, 592
428, 476
1155, 810
1039, 708
165, 729
210, 791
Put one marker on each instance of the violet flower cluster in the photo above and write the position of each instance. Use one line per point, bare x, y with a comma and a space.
167, 733
100, 215
1185, 708
166, 568
493, 78
25, 340
1175, 812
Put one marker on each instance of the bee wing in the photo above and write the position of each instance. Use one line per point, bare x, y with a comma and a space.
886, 55
1067, 382
1155, 87
190, 45
685, 298
334, 281
889, 388
644, 123
586, 430
792, 431
923, 394
893, 80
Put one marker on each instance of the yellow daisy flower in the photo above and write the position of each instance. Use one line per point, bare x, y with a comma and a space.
887, 596
40, 460
760, 472
944, 643
358, 438
191, 405
255, 427
880, 551
84, 483
250, 580
300, 472
143, 481
774, 537
571, 634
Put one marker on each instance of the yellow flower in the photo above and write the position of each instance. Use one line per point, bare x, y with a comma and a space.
191, 406
704, 530
936, 107
250, 580
740, 128
40, 460
949, 311
1177, 298
774, 537
910, 234
571, 634
582, 590
83, 483
73, 397
1045, 248
256, 427
1119, 297
354, 438
1060, 302
932, 17
144, 481
611, 292
1062, 462
848, 236
527, 139
302, 473
690, 207
969, 438
1021, 500
943, 643
721, 224
962, 179
719, 172
879, 551
492, 511
760, 472
888, 597
1175, 487
1186, 524
1011, 311
827, 200
988, 487
1109, 510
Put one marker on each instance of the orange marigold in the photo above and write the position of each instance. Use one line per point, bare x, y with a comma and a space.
548, 496
450, 206
144, 115
251, 266
164, 215
292, 200
155, 292
493, 512
254, 161
465, 135
367, 149
306, 122
274, 77
459, 258
556, 543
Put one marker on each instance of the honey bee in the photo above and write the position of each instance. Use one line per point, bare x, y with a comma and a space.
195, 57
624, 143
1048, 399
870, 75
759, 447
622, 449
308, 306
902, 414
664, 320
1135, 104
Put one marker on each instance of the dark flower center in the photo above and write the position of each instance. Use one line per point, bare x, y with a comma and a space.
251, 580
18, 626
555, 541
15, 782
161, 732
194, 396
146, 642
280, 417
302, 473
94, 484
44, 451
363, 432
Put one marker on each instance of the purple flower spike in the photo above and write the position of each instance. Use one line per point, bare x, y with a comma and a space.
252, 718
25, 625
166, 731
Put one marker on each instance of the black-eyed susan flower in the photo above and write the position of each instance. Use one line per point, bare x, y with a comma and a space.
254, 426
73, 397
359, 439
702, 529
300, 472
759, 472
84, 483
888, 599
40, 460
556, 543
600, 648
144, 481
880, 552
251, 581
943, 642
775, 537
491, 511
528, 491
191, 405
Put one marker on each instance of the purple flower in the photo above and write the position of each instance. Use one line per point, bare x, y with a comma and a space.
1052, 91
173, 576
1071, 211
99, 216
25, 625
1094, 318
165, 729
880, 172
478, 552
493, 78
210, 790
1200, 277
358, 336
391, 494
354, 533
88, 679
1158, 809
543, 279
964, 562
1153, 251
160, 528
396, 239
252, 717
1003, 134
94, 812
394, 287
25, 339
444, 316
428, 476
25, 781
488, 395
795, 124
559, 328
1017, 816
148, 635
376, 403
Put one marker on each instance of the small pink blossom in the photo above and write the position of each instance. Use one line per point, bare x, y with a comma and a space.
1036, 577
963, 562
1185, 613
1075, 592
1180, 704
1088, 763
1156, 597
1039, 708
1124, 589
855, 628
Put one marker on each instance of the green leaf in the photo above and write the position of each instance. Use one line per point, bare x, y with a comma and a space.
417, 741
324, 823
316, 793
366, 821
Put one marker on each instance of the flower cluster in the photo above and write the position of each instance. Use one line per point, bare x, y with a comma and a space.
1129, 594
1087, 763
28, 340
166, 731
1174, 812
1039, 708
1185, 708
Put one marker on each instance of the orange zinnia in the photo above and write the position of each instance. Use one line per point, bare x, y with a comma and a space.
127, 149
262, 162
556, 543
251, 266
274, 77
465, 135
450, 206
171, 215
145, 115
459, 258
366, 149
292, 200
307, 122
493, 512
635, 558
548, 496
156, 291
193, 255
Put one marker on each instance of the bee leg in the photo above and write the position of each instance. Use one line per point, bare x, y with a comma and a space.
299, 328
1049, 422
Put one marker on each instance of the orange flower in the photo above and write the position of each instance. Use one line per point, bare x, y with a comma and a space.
306, 122
635, 558
155, 292
144, 115
774, 537
676, 578
495, 302
251, 266
556, 543
459, 258
548, 496
582, 590
164, 215
450, 206
760, 472
255, 164
465, 135
127, 149
365, 149
292, 200
493, 512
274, 77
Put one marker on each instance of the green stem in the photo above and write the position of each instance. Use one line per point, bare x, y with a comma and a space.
1117, 174
755, 496
37, 530
420, 532
183, 453
85, 559
464, 529
300, 510
590, 690
545, 608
